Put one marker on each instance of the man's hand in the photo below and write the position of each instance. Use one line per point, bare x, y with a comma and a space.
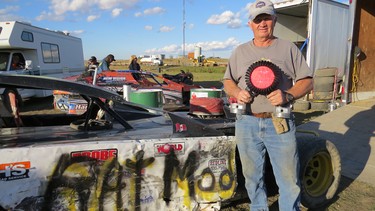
243, 97
232, 90
277, 98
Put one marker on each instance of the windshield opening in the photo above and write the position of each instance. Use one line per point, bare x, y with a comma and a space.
4, 58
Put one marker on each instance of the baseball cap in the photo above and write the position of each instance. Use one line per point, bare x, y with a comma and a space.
261, 7
112, 57
92, 58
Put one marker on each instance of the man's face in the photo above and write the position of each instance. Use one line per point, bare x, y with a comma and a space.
262, 26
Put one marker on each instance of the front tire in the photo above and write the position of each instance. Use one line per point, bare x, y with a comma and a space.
320, 171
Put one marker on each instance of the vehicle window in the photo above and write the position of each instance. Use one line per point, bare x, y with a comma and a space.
4, 58
27, 36
50, 53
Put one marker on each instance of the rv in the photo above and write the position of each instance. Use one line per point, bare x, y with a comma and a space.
30, 50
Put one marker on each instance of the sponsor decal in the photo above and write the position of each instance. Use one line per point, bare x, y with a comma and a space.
217, 165
14, 171
199, 94
162, 149
109, 79
77, 108
80, 106
99, 154
180, 127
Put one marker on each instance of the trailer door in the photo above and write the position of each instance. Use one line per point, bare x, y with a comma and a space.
328, 35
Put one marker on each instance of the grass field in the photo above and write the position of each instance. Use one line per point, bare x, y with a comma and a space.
174, 66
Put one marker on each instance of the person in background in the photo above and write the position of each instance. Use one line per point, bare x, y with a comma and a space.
257, 131
134, 65
12, 99
92, 64
16, 63
106, 62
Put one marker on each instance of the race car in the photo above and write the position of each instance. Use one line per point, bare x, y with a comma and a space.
175, 88
134, 157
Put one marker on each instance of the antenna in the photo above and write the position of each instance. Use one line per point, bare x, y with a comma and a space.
183, 28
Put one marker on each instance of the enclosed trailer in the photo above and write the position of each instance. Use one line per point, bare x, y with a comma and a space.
319, 27
360, 71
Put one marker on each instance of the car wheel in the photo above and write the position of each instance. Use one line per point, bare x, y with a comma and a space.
320, 171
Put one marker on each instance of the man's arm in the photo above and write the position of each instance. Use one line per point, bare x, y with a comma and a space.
300, 89
232, 90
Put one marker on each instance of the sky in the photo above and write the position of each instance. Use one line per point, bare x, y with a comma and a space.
141, 27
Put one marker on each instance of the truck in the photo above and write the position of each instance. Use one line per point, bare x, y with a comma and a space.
40, 52
151, 60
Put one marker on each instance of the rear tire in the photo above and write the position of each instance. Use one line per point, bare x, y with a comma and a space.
320, 171
301, 105
319, 105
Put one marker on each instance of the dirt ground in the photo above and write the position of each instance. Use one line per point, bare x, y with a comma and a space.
352, 195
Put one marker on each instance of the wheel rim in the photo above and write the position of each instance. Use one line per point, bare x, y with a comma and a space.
318, 174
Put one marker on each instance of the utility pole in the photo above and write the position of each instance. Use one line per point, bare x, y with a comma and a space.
183, 28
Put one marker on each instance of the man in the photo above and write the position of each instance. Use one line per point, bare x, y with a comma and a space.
104, 65
11, 98
255, 131
134, 65
92, 64
16, 63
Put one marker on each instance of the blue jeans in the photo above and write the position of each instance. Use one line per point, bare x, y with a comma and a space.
254, 136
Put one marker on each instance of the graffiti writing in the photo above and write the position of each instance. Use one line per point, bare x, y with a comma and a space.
96, 180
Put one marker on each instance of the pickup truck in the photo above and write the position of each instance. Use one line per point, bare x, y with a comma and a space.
151, 61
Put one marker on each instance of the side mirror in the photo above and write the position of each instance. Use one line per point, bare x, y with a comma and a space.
28, 65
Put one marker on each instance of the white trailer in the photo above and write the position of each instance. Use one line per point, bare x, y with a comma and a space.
152, 60
319, 27
40, 51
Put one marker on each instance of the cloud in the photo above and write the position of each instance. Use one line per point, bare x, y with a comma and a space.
75, 33
5, 14
116, 12
166, 29
9, 9
148, 28
49, 16
228, 44
60, 8
170, 49
234, 24
151, 11
92, 18
154, 11
229, 18
138, 14
190, 26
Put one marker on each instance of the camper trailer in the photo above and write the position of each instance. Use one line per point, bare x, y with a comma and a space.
27, 49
